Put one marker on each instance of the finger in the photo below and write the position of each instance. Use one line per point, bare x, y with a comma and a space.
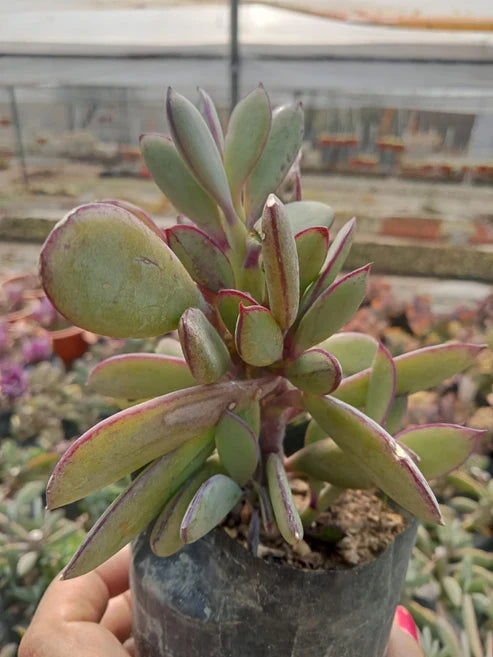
85, 598
129, 646
118, 616
402, 644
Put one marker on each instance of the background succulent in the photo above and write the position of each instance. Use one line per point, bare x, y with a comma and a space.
254, 289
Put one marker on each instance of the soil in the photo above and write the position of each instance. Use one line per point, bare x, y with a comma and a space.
356, 529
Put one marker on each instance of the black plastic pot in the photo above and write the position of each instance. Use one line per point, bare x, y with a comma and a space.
214, 599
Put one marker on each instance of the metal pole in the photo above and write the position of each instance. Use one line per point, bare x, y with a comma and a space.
234, 57
18, 135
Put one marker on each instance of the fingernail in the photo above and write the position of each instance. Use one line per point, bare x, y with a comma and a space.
406, 622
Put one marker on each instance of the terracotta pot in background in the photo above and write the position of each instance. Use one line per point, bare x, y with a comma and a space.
71, 343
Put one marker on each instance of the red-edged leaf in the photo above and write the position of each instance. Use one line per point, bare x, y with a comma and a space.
376, 453
441, 447
132, 438
228, 304
140, 376
258, 337
280, 263
381, 386
315, 371
311, 246
201, 256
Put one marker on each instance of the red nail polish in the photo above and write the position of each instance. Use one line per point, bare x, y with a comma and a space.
406, 622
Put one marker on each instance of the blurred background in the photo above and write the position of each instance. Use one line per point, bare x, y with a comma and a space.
398, 101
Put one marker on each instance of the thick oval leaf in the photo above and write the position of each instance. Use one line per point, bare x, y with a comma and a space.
237, 447
202, 258
251, 415
440, 447
140, 376
381, 386
169, 346
228, 305
247, 133
325, 461
139, 213
417, 370
332, 309
212, 502
377, 454
311, 246
205, 352
354, 351
396, 414
279, 153
303, 215
126, 441
133, 509
286, 514
315, 371
165, 537
211, 117
173, 178
197, 147
280, 263
105, 271
258, 337
336, 257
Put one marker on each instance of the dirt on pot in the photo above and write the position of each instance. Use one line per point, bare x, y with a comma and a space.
356, 529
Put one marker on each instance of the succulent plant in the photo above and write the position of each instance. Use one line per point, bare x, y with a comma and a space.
254, 289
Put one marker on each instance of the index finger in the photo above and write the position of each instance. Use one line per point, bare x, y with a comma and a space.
85, 598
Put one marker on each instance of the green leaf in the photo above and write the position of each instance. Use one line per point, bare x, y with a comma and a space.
381, 386
251, 415
228, 304
315, 371
140, 376
417, 370
311, 246
440, 447
280, 263
237, 447
336, 257
396, 413
258, 337
168, 346
377, 454
205, 352
332, 310
286, 514
211, 117
305, 215
313, 433
247, 133
197, 147
354, 351
325, 461
171, 175
133, 509
202, 258
212, 502
139, 213
105, 271
280, 152
165, 538
132, 438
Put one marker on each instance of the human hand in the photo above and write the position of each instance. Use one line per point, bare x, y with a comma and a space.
404, 636
88, 616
